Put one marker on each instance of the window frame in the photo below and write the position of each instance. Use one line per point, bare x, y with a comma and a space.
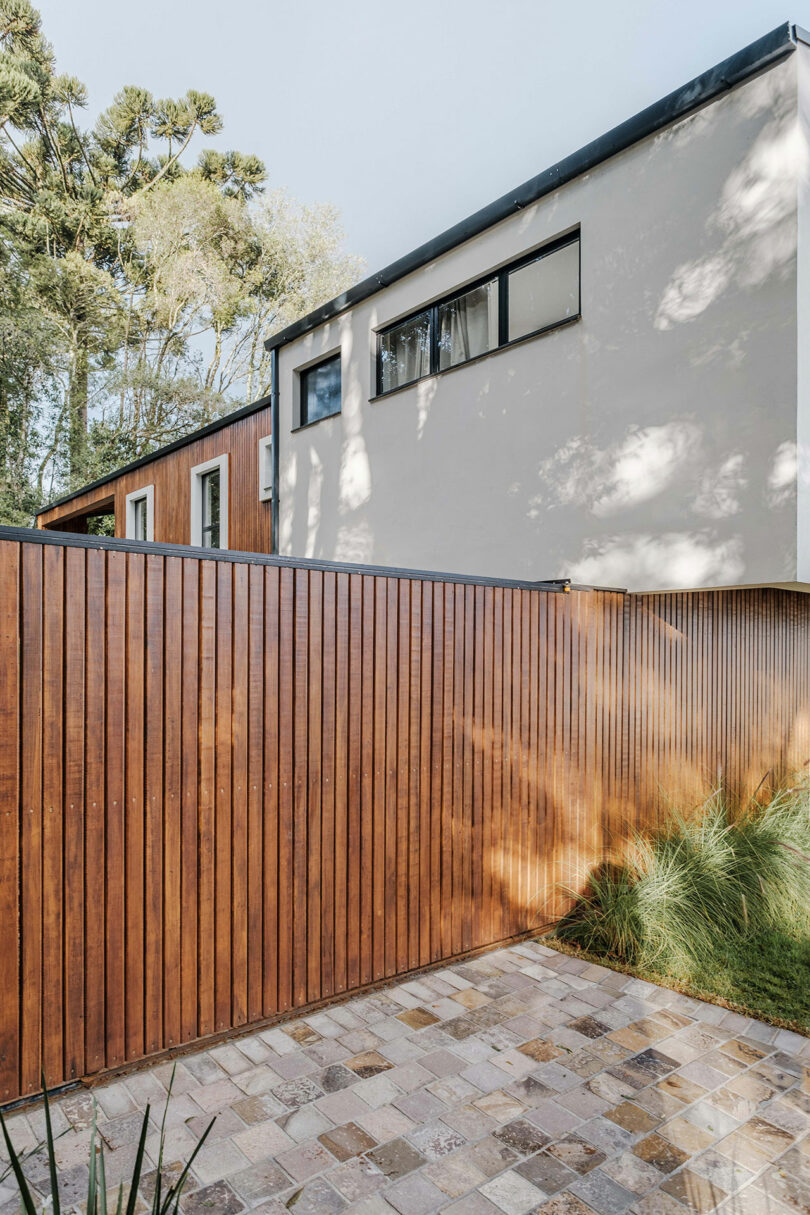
196, 512
265, 460
499, 276
302, 373
145, 494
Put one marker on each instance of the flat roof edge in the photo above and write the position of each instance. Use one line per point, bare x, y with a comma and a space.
31, 535
227, 419
710, 84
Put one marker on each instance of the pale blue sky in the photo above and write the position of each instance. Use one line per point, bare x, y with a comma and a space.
407, 116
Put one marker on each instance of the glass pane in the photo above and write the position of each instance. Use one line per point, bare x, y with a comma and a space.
210, 509
140, 518
468, 326
320, 391
405, 352
544, 292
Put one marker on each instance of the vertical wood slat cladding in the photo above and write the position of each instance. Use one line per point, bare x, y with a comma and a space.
248, 516
228, 790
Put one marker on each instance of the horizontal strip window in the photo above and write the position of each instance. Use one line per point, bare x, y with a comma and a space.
524, 298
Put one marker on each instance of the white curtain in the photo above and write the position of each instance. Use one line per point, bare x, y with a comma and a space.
406, 352
468, 326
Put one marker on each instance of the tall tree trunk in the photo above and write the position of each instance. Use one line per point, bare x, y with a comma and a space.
77, 422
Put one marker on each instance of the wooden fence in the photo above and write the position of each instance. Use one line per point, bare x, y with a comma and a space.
234, 787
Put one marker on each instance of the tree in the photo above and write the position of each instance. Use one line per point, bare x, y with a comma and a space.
71, 193
153, 280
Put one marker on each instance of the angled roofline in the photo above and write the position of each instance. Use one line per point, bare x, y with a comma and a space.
211, 428
719, 79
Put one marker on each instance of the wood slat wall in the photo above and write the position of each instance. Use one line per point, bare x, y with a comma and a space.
228, 790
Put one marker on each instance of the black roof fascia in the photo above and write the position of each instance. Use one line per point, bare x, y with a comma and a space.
31, 535
210, 429
719, 79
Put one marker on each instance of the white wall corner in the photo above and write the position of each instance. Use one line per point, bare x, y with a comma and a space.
803, 321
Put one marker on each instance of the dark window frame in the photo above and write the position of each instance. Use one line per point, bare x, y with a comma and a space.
140, 514
207, 479
303, 376
501, 277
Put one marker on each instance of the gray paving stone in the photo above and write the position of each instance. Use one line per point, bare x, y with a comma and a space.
396, 1158
357, 1178
512, 1193
217, 1197
259, 1181
602, 1193
414, 1195
316, 1198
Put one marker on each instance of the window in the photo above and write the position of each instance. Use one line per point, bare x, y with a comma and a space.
543, 292
320, 391
266, 469
527, 297
405, 352
468, 325
209, 483
209, 503
140, 514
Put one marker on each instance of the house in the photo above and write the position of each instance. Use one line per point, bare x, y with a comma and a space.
600, 376
212, 489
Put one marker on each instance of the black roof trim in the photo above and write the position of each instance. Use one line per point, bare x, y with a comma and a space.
212, 427
751, 59
32, 535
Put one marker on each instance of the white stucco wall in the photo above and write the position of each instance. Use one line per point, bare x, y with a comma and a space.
803, 320
651, 444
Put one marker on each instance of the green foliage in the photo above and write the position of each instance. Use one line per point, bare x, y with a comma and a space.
163, 1203
704, 892
149, 274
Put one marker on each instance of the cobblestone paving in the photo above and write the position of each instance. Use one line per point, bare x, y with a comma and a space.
523, 1081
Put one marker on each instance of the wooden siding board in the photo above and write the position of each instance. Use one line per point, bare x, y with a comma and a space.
189, 741
241, 942
95, 834
115, 851
75, 650
10, 832
135, 807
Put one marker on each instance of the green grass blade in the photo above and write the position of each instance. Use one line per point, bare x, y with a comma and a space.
159, 1175
176, 1189
136, 1173
56, 1204
29, 1206
102, 1181
92, 1195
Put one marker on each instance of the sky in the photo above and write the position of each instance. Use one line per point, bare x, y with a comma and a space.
406, 116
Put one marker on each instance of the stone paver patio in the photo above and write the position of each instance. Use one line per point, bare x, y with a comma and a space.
522, 1081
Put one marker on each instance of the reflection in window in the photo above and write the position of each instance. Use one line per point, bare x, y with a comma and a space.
139, 519
320, 391
209, 485
468, 325
538, 292
544, 292
405, 352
